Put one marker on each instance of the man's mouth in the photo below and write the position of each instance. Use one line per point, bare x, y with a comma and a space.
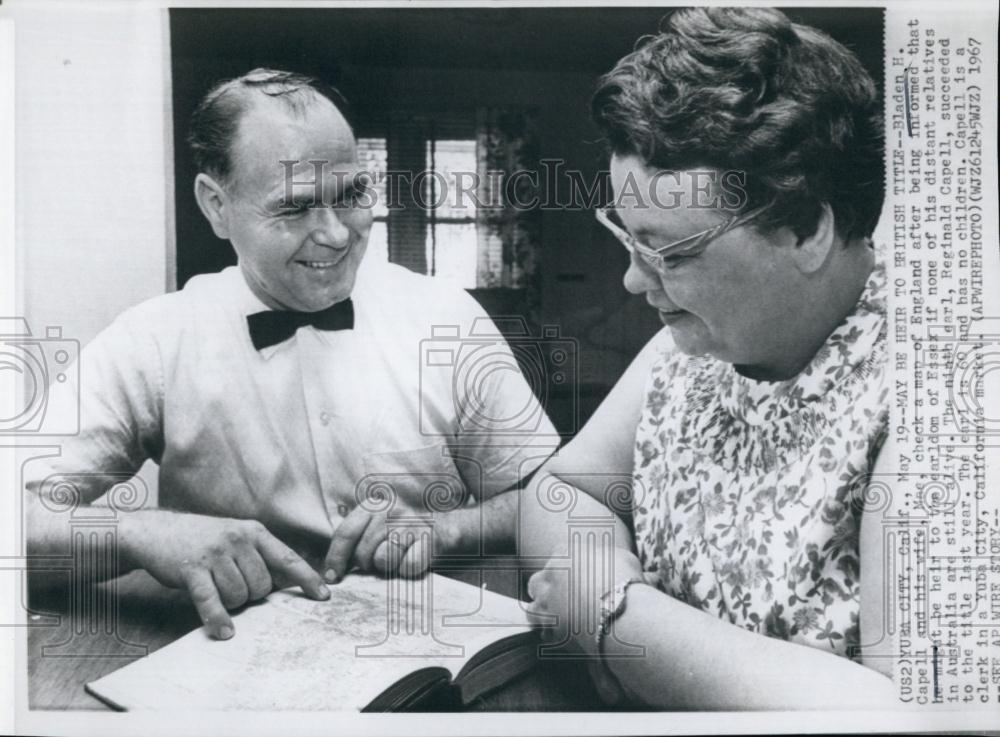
323, 264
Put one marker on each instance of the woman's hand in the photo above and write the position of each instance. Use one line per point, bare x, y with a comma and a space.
566, 594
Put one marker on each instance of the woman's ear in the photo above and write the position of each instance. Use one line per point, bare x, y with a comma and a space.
213, 201
812, 252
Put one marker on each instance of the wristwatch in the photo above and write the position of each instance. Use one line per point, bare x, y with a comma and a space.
612, 607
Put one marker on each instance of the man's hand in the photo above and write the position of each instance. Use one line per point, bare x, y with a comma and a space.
398, 543
223, 563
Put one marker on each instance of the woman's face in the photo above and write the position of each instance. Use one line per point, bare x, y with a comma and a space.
728, 301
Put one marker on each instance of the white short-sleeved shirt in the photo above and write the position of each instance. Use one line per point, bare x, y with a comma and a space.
422, 398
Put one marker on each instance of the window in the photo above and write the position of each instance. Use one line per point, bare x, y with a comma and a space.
432, 173
449, 247
451, 242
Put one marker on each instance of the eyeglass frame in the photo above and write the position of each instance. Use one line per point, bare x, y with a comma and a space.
656, 257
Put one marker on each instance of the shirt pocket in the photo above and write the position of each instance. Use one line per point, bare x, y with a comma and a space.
423, 479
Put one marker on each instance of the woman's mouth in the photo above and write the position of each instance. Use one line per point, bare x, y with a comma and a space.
670, 316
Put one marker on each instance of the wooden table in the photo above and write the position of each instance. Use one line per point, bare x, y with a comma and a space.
67, 651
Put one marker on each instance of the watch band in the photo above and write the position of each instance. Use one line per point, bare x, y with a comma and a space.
612, 607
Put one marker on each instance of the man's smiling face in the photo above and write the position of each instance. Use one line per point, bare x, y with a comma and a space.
302, 256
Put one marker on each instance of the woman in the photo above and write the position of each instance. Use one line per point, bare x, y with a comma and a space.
748, 174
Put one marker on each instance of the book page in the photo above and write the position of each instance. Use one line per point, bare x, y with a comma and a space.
291, 652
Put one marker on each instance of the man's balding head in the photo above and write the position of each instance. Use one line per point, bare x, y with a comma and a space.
215, 125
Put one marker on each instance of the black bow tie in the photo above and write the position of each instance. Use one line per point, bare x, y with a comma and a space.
276, 326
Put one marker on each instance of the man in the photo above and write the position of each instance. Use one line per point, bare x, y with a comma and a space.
283, 398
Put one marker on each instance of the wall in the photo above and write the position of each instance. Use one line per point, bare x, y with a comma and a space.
93, 165
93, 172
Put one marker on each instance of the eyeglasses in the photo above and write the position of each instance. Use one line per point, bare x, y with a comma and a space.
684, 248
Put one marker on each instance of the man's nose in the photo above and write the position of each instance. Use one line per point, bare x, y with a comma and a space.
641, 277
329, 229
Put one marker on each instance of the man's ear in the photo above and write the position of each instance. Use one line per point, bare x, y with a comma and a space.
811, 252
213, 200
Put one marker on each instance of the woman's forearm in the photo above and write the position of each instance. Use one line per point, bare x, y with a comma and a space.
693, 660
546, 511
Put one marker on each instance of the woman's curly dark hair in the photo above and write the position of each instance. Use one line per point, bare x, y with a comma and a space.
746, 89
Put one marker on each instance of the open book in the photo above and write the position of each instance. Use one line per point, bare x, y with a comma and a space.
375, 645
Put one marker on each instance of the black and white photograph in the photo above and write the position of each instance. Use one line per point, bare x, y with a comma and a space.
494, 363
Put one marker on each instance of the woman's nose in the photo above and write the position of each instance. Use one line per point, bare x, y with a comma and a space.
641, 277
329, 229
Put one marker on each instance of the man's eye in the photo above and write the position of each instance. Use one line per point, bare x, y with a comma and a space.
294, 210
357, 196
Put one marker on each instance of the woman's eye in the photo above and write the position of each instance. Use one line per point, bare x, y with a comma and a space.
672, 262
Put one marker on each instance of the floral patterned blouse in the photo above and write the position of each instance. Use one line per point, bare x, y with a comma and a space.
746, 493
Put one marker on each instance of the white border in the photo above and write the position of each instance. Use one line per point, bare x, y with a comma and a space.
8, 308
262, 723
